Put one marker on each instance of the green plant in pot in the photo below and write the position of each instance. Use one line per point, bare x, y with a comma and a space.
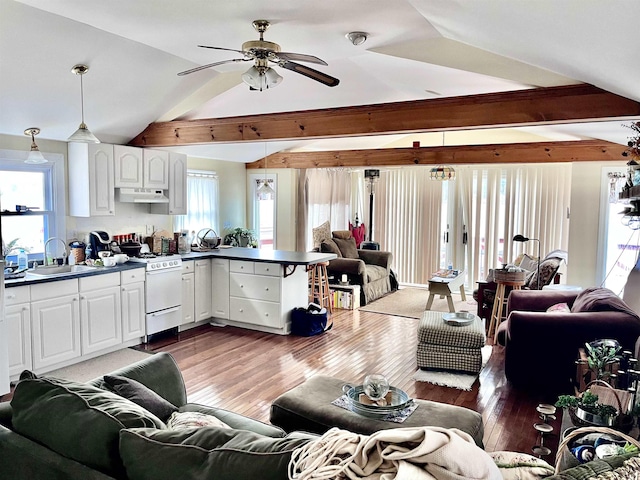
601, 354
585, 409
240, 237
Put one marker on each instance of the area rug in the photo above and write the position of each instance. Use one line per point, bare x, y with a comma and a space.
411, 302
94, 367
459, 380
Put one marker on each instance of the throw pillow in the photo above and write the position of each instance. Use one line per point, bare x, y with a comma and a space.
323, 232
140, 395
344, 234
209, 452
347, 247
548, 269
179, 420
559, 307
521, 466
77, 420
329, 246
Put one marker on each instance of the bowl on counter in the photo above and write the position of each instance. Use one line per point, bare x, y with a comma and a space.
121, 258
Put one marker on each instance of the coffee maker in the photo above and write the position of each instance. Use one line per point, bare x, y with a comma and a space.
99, 242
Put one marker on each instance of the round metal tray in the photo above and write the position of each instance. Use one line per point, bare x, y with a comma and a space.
458, 319
399, 401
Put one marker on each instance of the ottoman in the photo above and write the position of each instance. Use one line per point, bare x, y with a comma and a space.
448, 347
308, 408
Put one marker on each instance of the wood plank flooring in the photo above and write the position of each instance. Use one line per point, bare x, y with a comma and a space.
244, 371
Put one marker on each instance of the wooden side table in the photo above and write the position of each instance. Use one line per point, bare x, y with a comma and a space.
500, 303
445, 286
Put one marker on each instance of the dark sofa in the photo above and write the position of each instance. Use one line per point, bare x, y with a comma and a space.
541, 348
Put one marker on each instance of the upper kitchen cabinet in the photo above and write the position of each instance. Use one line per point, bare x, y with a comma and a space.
177, 187
91, 179
141, 168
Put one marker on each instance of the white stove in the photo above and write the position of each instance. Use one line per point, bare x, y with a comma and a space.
158, 261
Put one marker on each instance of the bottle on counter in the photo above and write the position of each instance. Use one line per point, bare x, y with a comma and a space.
183, 243
22, 259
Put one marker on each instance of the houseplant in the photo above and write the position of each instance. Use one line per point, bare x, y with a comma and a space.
240, 237
586, 410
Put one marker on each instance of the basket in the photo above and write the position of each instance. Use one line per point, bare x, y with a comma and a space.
583, 431
607, 395
506, 276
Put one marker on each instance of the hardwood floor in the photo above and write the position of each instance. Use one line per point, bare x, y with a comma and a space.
244, 371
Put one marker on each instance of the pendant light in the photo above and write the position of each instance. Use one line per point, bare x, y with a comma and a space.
442, 172
265, 191
83, 134
35, 156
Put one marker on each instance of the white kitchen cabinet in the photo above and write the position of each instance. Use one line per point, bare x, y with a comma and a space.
128, 166
4, 354
177, 187
188, 298
55, 323
133, 307
220, 287
91, 180
202, 289
18, 326
100, 312
155, 169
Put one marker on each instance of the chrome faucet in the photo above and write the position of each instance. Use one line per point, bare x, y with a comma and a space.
64, 245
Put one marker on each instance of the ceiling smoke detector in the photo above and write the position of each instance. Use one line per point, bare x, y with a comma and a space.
357, 38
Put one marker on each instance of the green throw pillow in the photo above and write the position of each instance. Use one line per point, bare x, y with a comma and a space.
77, 420
207, 452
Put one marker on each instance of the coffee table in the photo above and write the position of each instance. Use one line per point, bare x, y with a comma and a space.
308, 408
445, 285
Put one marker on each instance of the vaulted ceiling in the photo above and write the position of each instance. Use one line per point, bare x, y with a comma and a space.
415, 50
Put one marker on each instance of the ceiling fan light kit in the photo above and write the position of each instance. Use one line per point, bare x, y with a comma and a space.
356, 38
82, 134
261, 76
35, 155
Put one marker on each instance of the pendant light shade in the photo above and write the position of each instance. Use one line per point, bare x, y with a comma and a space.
265, 191
35, 156
442, 172
261, 78
82, 134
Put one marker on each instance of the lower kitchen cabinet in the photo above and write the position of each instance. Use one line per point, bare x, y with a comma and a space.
188, 298
133, 308
100, 312
220, 287
202, 289
18, 318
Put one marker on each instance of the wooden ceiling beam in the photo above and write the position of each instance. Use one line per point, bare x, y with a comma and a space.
542, 152
540, 106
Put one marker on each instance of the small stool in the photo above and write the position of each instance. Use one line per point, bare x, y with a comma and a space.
319, 291
499, 302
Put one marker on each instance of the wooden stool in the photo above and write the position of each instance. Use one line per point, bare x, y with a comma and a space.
319, 291
499, 302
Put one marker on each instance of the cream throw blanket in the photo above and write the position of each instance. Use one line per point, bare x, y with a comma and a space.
415, 453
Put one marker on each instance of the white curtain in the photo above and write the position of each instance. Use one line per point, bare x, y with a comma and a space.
202, 204
499, 202
407, 213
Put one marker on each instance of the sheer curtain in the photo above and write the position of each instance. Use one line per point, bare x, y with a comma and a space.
407, 212
202, 203
502, 201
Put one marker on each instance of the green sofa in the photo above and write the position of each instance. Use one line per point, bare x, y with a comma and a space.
55, 429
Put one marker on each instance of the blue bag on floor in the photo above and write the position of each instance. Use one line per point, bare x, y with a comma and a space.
308, 322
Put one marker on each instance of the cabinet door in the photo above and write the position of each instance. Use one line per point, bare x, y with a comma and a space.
128, 166
133, 314
188, 298
101, 319
55, 326
18, 318
178, 184
220, 287
101, 180
203, 289
155, 169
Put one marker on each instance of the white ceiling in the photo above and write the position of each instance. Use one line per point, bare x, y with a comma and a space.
417, 49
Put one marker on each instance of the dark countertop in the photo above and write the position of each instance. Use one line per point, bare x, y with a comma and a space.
33, 280
267, 256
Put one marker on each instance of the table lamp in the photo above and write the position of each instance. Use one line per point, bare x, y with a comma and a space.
522, 238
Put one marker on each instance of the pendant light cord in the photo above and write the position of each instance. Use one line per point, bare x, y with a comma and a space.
82, 99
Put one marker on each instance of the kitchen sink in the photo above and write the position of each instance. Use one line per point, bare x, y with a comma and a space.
58, 270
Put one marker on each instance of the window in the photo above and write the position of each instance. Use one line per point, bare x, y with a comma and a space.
35, 186
202, 203
264, 217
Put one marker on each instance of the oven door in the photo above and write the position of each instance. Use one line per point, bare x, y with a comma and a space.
163, 289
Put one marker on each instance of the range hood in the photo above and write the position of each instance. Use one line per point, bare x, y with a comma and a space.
142, 195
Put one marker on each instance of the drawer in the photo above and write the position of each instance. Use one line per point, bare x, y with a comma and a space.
16, 295
271, 269
241, 266
255, 312
59, 288
188, 267
132, 276
255, 287
99, 281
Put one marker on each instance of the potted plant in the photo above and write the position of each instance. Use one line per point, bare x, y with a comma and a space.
586, 410
601, 354
240, 237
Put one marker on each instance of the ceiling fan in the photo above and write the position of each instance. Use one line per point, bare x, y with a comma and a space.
261, 76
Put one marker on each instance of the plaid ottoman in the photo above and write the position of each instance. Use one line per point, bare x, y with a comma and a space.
447, 347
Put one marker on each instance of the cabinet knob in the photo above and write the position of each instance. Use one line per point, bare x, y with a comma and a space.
10, 297
241, 286
75, 299
241, 310
24, 309
266, 289
124, 289
266, 314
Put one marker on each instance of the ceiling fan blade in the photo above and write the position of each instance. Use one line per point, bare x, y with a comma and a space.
209, 65
300, 57
222, 48
328, 80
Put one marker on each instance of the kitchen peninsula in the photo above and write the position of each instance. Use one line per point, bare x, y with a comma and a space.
253, 288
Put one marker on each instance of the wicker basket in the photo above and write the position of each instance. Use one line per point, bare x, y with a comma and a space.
506, 276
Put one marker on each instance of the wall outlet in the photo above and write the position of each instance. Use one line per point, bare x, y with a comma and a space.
150, 230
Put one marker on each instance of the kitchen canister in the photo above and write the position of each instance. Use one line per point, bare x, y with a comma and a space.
77, 249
